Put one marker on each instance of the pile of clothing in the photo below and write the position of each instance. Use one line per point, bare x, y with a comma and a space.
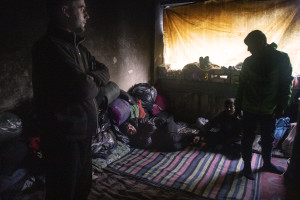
143, 108
18, 161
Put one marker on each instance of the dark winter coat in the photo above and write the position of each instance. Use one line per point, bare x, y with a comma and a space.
63, 87
145, 128
223, 129
265, 82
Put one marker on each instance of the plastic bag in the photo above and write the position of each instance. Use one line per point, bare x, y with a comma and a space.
130, 99
146, 93
119, 135
104, 121
281, 127
12, 155
288, 143
10, 126
103, 144
200, 122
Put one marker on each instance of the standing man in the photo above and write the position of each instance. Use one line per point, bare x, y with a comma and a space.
263, 94
66, 80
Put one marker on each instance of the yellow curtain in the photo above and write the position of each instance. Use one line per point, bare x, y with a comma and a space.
217, 29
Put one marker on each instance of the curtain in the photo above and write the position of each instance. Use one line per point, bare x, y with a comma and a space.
217, 29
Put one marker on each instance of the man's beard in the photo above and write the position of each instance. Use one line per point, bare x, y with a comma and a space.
80, 29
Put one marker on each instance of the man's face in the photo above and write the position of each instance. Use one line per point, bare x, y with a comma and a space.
78, 16
131, 130
230, 109
256, 47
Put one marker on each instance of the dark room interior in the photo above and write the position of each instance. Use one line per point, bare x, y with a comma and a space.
134, 39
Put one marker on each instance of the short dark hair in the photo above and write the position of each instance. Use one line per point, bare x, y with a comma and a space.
255, 36
53, 5
229, 101
124, 127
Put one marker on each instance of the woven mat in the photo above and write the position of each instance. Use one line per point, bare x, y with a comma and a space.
205, 174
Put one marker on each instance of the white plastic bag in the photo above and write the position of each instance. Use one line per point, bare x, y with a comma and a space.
288, 143
10, 126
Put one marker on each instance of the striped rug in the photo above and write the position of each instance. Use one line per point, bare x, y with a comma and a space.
204, 174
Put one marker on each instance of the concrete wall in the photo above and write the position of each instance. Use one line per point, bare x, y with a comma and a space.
119, 34
21, 22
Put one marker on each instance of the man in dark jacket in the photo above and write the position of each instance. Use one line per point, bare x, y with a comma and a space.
263, 94
67, 80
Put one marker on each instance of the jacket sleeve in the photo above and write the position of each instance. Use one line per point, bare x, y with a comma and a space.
285, 82
239, 96
98, 70
57, 78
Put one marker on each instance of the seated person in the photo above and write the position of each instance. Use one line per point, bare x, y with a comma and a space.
155, 133
139, 132
223, 132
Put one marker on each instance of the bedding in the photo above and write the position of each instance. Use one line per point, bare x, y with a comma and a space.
120, 150
204, 174
112, 186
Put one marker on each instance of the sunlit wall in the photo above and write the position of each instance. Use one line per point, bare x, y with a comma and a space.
217, 29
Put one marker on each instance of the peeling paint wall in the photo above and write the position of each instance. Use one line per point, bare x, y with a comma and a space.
20, 27
120, 34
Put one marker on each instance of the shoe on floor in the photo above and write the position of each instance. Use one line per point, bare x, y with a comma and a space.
273, 169
248, 174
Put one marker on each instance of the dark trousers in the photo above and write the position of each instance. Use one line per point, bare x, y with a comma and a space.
68, 169
250, 123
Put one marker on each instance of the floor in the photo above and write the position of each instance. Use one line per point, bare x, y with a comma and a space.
274, 186
110, 186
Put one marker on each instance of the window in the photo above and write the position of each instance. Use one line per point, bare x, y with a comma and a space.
217, 29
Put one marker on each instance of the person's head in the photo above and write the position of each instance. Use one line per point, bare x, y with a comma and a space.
128, 128
71, 15
256, 41
229, 106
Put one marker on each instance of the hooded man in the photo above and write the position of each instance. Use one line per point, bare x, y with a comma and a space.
264, 92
